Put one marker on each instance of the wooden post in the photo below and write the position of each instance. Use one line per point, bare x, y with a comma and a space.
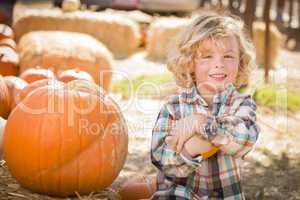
279, 11
298, 29
231, 5
267, 7
291, 7
249, 16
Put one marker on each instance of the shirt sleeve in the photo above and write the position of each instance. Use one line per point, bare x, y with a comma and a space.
172, 164
235, 133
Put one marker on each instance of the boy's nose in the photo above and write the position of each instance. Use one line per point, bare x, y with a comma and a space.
219, 66
218, 62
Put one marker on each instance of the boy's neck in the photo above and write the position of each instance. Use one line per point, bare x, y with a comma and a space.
208, 99
207, 95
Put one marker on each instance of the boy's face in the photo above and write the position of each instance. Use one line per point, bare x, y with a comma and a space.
216, 63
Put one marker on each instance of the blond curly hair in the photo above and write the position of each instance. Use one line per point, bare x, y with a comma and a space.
209, 24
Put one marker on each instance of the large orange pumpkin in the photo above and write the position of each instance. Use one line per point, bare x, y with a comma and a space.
4, 99
9, 61
6, 32
73, 74
15, 85
73, 139
37, 73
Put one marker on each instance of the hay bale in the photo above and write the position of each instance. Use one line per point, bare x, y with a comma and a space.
65, 50
121, 35
22, 6
160, 33
169, 6
276, 42
139, 17
135, 15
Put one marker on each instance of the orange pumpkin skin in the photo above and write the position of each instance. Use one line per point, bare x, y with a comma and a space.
37, 84
64, 148
9, 61
14, 85
6, 32
138, 188
8, 43
4, 99
74, 74
37, 73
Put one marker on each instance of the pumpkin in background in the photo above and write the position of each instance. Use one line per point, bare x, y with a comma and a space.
73, 139
73, 74
14, 85
2, 126
4, 99
37, 84
7, 42
9, 61
6, 32
37, 73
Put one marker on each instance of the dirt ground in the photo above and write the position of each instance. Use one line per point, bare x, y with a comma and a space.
271, 171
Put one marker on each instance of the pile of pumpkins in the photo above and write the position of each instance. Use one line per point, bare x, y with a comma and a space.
61, 135
12, 85
9, 58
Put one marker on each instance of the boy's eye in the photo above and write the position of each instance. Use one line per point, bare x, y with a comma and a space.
228, 56
206, 56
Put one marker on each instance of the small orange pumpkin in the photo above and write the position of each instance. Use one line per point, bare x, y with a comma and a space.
138, 188
74, 138
9, 61
37, 84
8, 42
73, 74
37, 73
4, 99
6, 32
2, 126
15, 85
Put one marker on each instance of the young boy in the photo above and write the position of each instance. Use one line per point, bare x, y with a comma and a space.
201, 133
212, 59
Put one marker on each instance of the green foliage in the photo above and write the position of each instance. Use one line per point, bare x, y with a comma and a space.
143, 85
277, 97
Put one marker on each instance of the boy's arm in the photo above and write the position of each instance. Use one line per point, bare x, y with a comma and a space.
163, 156
235, 133
196, 146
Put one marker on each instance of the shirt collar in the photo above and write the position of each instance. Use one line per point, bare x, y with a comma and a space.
191, 95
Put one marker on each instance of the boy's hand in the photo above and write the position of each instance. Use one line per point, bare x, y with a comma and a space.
185, 128
197, 145
170, 141
194, 146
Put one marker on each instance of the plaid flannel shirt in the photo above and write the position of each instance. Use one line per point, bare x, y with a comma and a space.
231, 124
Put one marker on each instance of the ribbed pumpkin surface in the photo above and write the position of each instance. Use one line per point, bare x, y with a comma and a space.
66, 139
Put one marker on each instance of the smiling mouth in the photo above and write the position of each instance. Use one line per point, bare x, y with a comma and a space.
218, 77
